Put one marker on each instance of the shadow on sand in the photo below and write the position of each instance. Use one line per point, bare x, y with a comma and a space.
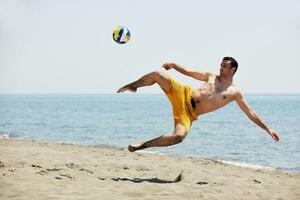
150, 180
140, 180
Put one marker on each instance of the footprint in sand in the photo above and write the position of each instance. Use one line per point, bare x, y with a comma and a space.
86, 170
54, 169
257, 181
42, 172
67, 175
47, 171
72, 165
2, 165
12, 170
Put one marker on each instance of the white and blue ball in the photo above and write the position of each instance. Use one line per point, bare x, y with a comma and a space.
121, 34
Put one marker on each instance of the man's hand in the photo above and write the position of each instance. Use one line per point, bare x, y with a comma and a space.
168, 66
274, 135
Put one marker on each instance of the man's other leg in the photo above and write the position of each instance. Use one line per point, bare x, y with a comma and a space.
147, 80
165, 140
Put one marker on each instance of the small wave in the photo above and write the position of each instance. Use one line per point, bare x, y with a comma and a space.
247, 165
290, 169
4, 136
151, 152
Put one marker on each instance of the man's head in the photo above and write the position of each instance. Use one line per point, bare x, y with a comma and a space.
228, 66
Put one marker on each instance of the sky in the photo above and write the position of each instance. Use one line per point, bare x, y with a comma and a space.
66, 46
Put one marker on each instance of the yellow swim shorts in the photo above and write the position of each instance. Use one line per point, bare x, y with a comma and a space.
180, 98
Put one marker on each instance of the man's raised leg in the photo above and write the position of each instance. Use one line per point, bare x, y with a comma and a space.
147, 80
164, 140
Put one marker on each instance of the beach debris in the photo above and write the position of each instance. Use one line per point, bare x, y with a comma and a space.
257, 181
58, 178
72, 165
86, 170
125, 167
36, 166
202, 183
100, 178
12, 170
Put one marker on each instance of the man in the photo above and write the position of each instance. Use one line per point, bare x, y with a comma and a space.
188, 104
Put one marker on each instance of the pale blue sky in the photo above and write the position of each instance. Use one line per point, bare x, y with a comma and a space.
60, 46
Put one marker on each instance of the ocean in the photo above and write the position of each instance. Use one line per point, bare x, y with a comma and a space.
116, 120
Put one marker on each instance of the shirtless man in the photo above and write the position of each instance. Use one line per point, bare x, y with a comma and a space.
216, 92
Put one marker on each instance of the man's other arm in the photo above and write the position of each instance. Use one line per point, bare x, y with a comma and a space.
202, 76
254, 117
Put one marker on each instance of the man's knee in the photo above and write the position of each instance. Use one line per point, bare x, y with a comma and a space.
178, 138
162, 79
157, 74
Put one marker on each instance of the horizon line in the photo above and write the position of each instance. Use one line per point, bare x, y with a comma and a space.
156, 93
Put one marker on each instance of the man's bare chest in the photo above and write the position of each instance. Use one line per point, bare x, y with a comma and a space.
214, 91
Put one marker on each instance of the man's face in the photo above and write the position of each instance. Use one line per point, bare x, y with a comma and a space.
225, 68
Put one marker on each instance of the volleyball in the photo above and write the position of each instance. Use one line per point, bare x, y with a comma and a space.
121, 34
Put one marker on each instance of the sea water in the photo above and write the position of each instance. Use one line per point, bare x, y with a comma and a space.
118, 120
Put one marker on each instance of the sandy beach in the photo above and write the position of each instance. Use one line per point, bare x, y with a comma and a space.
39, 170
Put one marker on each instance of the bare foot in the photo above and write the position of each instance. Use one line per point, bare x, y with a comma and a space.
127, 87
131, 148
134, 147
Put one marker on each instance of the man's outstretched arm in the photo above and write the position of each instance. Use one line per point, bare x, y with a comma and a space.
254, 117
194, 74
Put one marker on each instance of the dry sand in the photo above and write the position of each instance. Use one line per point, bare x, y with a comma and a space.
38, 170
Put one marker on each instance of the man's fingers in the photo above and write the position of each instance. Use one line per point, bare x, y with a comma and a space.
275, 137
166, 67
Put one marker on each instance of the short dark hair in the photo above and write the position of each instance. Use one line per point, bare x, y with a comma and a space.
233, 62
